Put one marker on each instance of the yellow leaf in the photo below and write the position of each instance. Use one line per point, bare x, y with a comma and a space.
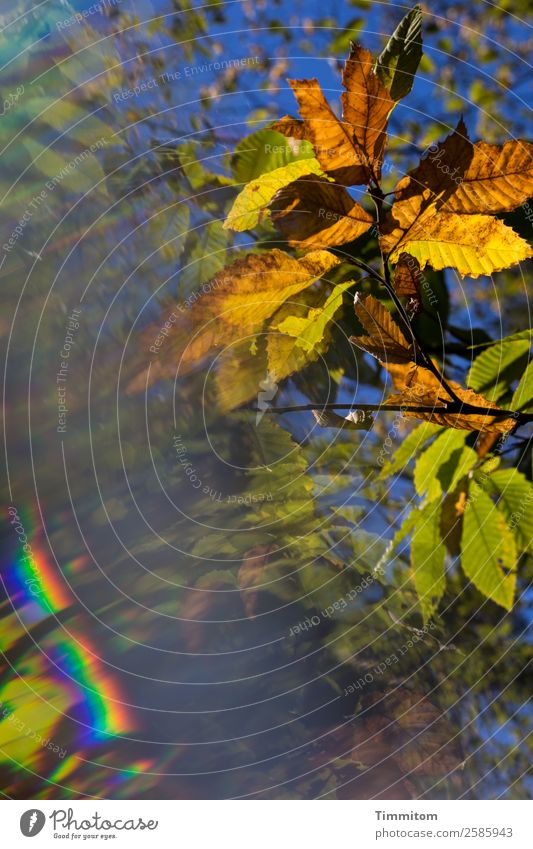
473, 244
257, 194
299, 333
385, 340
312, 212
427, 219
238, 301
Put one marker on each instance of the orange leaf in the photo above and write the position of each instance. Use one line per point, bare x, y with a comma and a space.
420, 387
385, 341
366, 106
313, 212
332, 139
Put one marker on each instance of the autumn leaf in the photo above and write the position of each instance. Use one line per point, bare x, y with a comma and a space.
407, 277
308, 331
438, 173
428, 218
292, 128
497, 179
240, 298
257, 364
313, 212
385, 341
300, 333
332, 139
472, 244
255, 197
366, 106
420, 387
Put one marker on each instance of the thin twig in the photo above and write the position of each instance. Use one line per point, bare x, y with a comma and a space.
452, 408
378, 197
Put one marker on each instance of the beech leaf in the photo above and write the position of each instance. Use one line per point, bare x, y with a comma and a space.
312, 212
257, 194
385, 341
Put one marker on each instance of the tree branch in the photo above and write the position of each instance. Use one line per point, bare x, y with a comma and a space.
452, 408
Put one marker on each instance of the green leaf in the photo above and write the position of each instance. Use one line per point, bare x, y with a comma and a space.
495, 368
488, 550
264, 151
309, 330
523, 396
515, 500
427, 558
409, 447
256, 195
429, 462
398, 63
461, 462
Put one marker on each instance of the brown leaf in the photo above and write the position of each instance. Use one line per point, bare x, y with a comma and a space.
438, 173
332, 139
451, 520
366, 106
385, 341
292, 128
420, 387
407, 276
237, 302
313, 212
497, 179
427, 220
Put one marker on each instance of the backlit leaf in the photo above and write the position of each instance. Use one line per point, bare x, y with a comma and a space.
385, 340
427, 558
488, 550
332, 139
237, 302
523, 396
312, 212
409, 446
366, 106
497, 179
256, 195
515, 500
420, 387
263, 151
497, 366
472, 244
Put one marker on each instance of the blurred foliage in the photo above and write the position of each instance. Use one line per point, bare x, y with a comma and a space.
155, 585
